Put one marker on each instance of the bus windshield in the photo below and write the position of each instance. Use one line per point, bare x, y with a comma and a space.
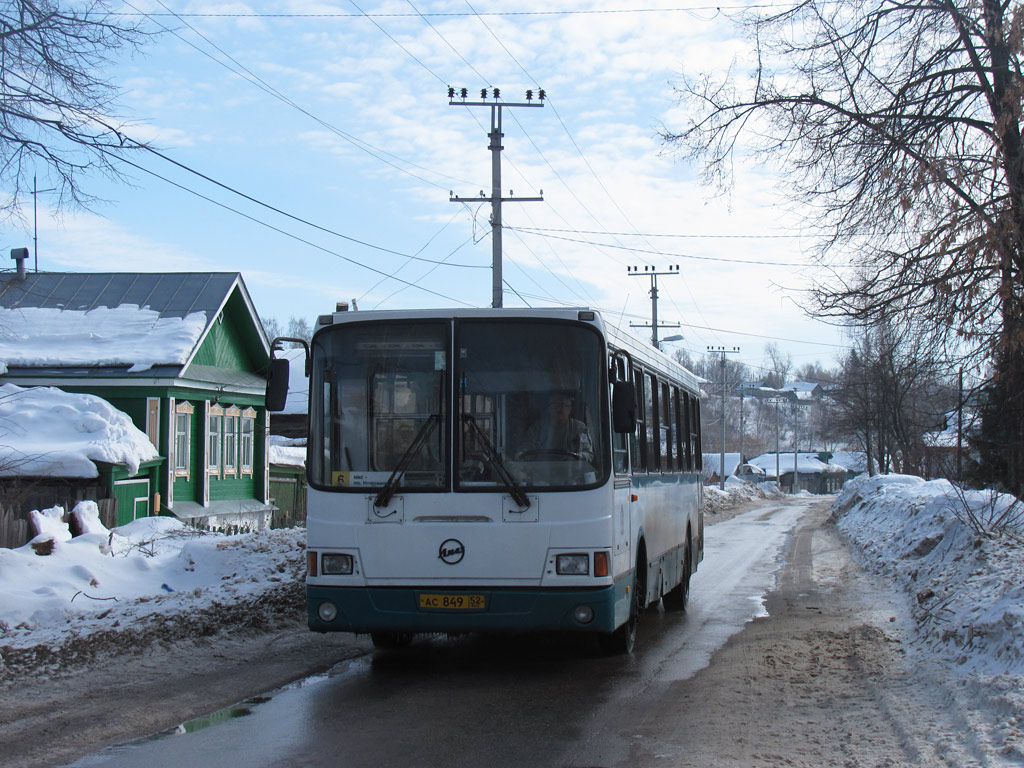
379, 406
529, 396
529, 405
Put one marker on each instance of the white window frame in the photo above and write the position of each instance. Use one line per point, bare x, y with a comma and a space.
183, 439
214, 438
232, 416
247, 442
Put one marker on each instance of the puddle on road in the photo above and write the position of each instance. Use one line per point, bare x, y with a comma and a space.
220, 716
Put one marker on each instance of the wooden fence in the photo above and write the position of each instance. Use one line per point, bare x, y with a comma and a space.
18, 497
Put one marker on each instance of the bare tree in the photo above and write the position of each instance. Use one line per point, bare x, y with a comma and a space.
899, 125
299, 328
56, 106
778, 363
892, 392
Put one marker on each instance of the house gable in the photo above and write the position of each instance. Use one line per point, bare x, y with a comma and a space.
233, 340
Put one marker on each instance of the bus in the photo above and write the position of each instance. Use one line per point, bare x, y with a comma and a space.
492, 470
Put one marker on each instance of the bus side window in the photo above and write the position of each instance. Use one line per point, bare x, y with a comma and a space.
673, 420
651, 415
638, 442
695, 433
620, 441
667, 448
685, 436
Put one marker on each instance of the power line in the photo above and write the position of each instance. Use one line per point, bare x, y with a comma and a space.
692, 11
292, 216
286, 233
541, 230
664, 253
253, 79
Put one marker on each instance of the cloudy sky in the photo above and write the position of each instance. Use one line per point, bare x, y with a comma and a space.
336, 114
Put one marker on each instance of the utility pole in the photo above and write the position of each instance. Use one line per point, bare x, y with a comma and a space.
654, 325
495, 198
741, 424
777, 401
722, 352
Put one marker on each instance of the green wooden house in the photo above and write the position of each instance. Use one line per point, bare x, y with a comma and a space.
183, 354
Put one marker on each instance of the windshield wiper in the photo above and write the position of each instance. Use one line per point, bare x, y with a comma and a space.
384, 497
492, 456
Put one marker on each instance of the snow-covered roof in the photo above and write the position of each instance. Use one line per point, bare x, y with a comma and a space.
41, 337
804, 390
712, 461
46, 432
288, 452
806, 463
851, 461
89, 320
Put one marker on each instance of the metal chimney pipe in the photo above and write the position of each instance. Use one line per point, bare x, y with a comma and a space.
20, 255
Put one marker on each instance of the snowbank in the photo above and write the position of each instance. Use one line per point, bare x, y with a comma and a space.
153, 579
736, 493
50, 433
964, 586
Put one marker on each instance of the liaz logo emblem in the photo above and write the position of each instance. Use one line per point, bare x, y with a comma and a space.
451, 551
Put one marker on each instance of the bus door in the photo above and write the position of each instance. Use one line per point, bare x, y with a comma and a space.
623, 492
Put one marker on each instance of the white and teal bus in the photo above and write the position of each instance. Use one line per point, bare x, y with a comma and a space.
443, 498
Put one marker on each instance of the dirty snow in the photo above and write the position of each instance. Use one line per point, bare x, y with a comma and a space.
158, 579
961, 577
50, 433
127, 335
140, 578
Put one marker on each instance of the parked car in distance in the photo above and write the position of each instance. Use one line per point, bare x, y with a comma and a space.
750, 473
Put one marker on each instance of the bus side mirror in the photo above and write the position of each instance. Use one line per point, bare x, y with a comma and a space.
277, 384
623, 407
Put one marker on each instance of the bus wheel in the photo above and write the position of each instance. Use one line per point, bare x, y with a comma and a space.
622, 640
676, 598
391, 640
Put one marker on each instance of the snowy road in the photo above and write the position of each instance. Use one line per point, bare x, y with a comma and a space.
532, 701
788, 655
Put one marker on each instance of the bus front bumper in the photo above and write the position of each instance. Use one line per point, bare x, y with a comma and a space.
406, 609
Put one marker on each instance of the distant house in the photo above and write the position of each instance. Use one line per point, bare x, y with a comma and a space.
712, 461
945, 448
814, 472
804, 390
183, 354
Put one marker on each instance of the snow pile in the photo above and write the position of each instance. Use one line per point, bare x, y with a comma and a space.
45, 432
736, 493
288, 451
965, 584
35, 337
153, 579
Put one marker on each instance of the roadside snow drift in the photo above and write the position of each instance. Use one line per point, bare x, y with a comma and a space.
153, 579
936, 542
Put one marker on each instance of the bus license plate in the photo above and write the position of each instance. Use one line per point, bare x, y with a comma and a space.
432, 602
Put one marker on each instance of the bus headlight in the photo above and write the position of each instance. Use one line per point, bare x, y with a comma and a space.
327, 611
584, 614
333, 564
572, 565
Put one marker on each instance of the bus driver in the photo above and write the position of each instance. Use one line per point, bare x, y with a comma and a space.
558, 433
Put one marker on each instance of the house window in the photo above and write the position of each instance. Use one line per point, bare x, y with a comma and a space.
153, 420
182, 439
248, 431
215, 420
231, 418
